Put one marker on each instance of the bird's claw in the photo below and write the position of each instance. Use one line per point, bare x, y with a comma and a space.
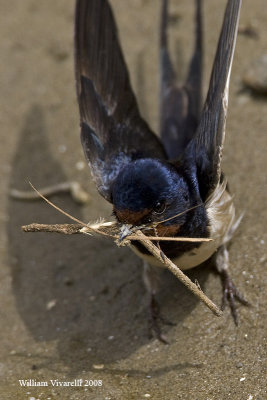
231, 294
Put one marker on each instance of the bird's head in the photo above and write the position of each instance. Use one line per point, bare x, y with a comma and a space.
148, 191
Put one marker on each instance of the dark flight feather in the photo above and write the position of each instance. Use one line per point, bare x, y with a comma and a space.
209, 138
180, 103
112, 130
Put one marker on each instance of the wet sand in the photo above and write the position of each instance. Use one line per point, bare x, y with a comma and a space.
74, 307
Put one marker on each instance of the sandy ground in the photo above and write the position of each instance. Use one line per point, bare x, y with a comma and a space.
75, 307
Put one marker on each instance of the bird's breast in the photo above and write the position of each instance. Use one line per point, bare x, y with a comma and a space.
221, 216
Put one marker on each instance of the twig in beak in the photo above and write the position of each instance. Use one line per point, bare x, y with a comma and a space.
124, 235
178, 273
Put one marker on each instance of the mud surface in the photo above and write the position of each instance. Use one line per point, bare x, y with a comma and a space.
75, 307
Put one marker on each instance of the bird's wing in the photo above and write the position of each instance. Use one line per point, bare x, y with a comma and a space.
207, 144
180, 103
112, 130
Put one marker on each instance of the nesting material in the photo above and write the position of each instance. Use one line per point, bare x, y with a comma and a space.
112, 229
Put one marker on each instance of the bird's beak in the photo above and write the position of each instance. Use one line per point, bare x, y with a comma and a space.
125, 231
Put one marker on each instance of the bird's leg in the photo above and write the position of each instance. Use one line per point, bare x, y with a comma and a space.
151, 280
230, 292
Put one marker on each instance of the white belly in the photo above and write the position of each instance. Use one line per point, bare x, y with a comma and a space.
221, 215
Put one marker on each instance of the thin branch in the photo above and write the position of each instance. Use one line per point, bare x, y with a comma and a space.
178, 273
170, 238
103, 228
98, 228
67, 229
176, 215
65, 213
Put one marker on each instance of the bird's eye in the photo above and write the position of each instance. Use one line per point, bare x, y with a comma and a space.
159, 207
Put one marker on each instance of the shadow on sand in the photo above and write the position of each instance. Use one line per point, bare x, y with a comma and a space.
97, 289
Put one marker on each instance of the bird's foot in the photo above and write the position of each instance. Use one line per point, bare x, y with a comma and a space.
154, 317
231, 294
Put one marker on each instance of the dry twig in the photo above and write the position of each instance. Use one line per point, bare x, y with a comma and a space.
112, 230
145, 240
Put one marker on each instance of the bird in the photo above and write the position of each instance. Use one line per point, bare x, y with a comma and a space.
173, 184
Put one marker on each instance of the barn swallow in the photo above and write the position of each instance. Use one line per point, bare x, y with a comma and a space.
174, 184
